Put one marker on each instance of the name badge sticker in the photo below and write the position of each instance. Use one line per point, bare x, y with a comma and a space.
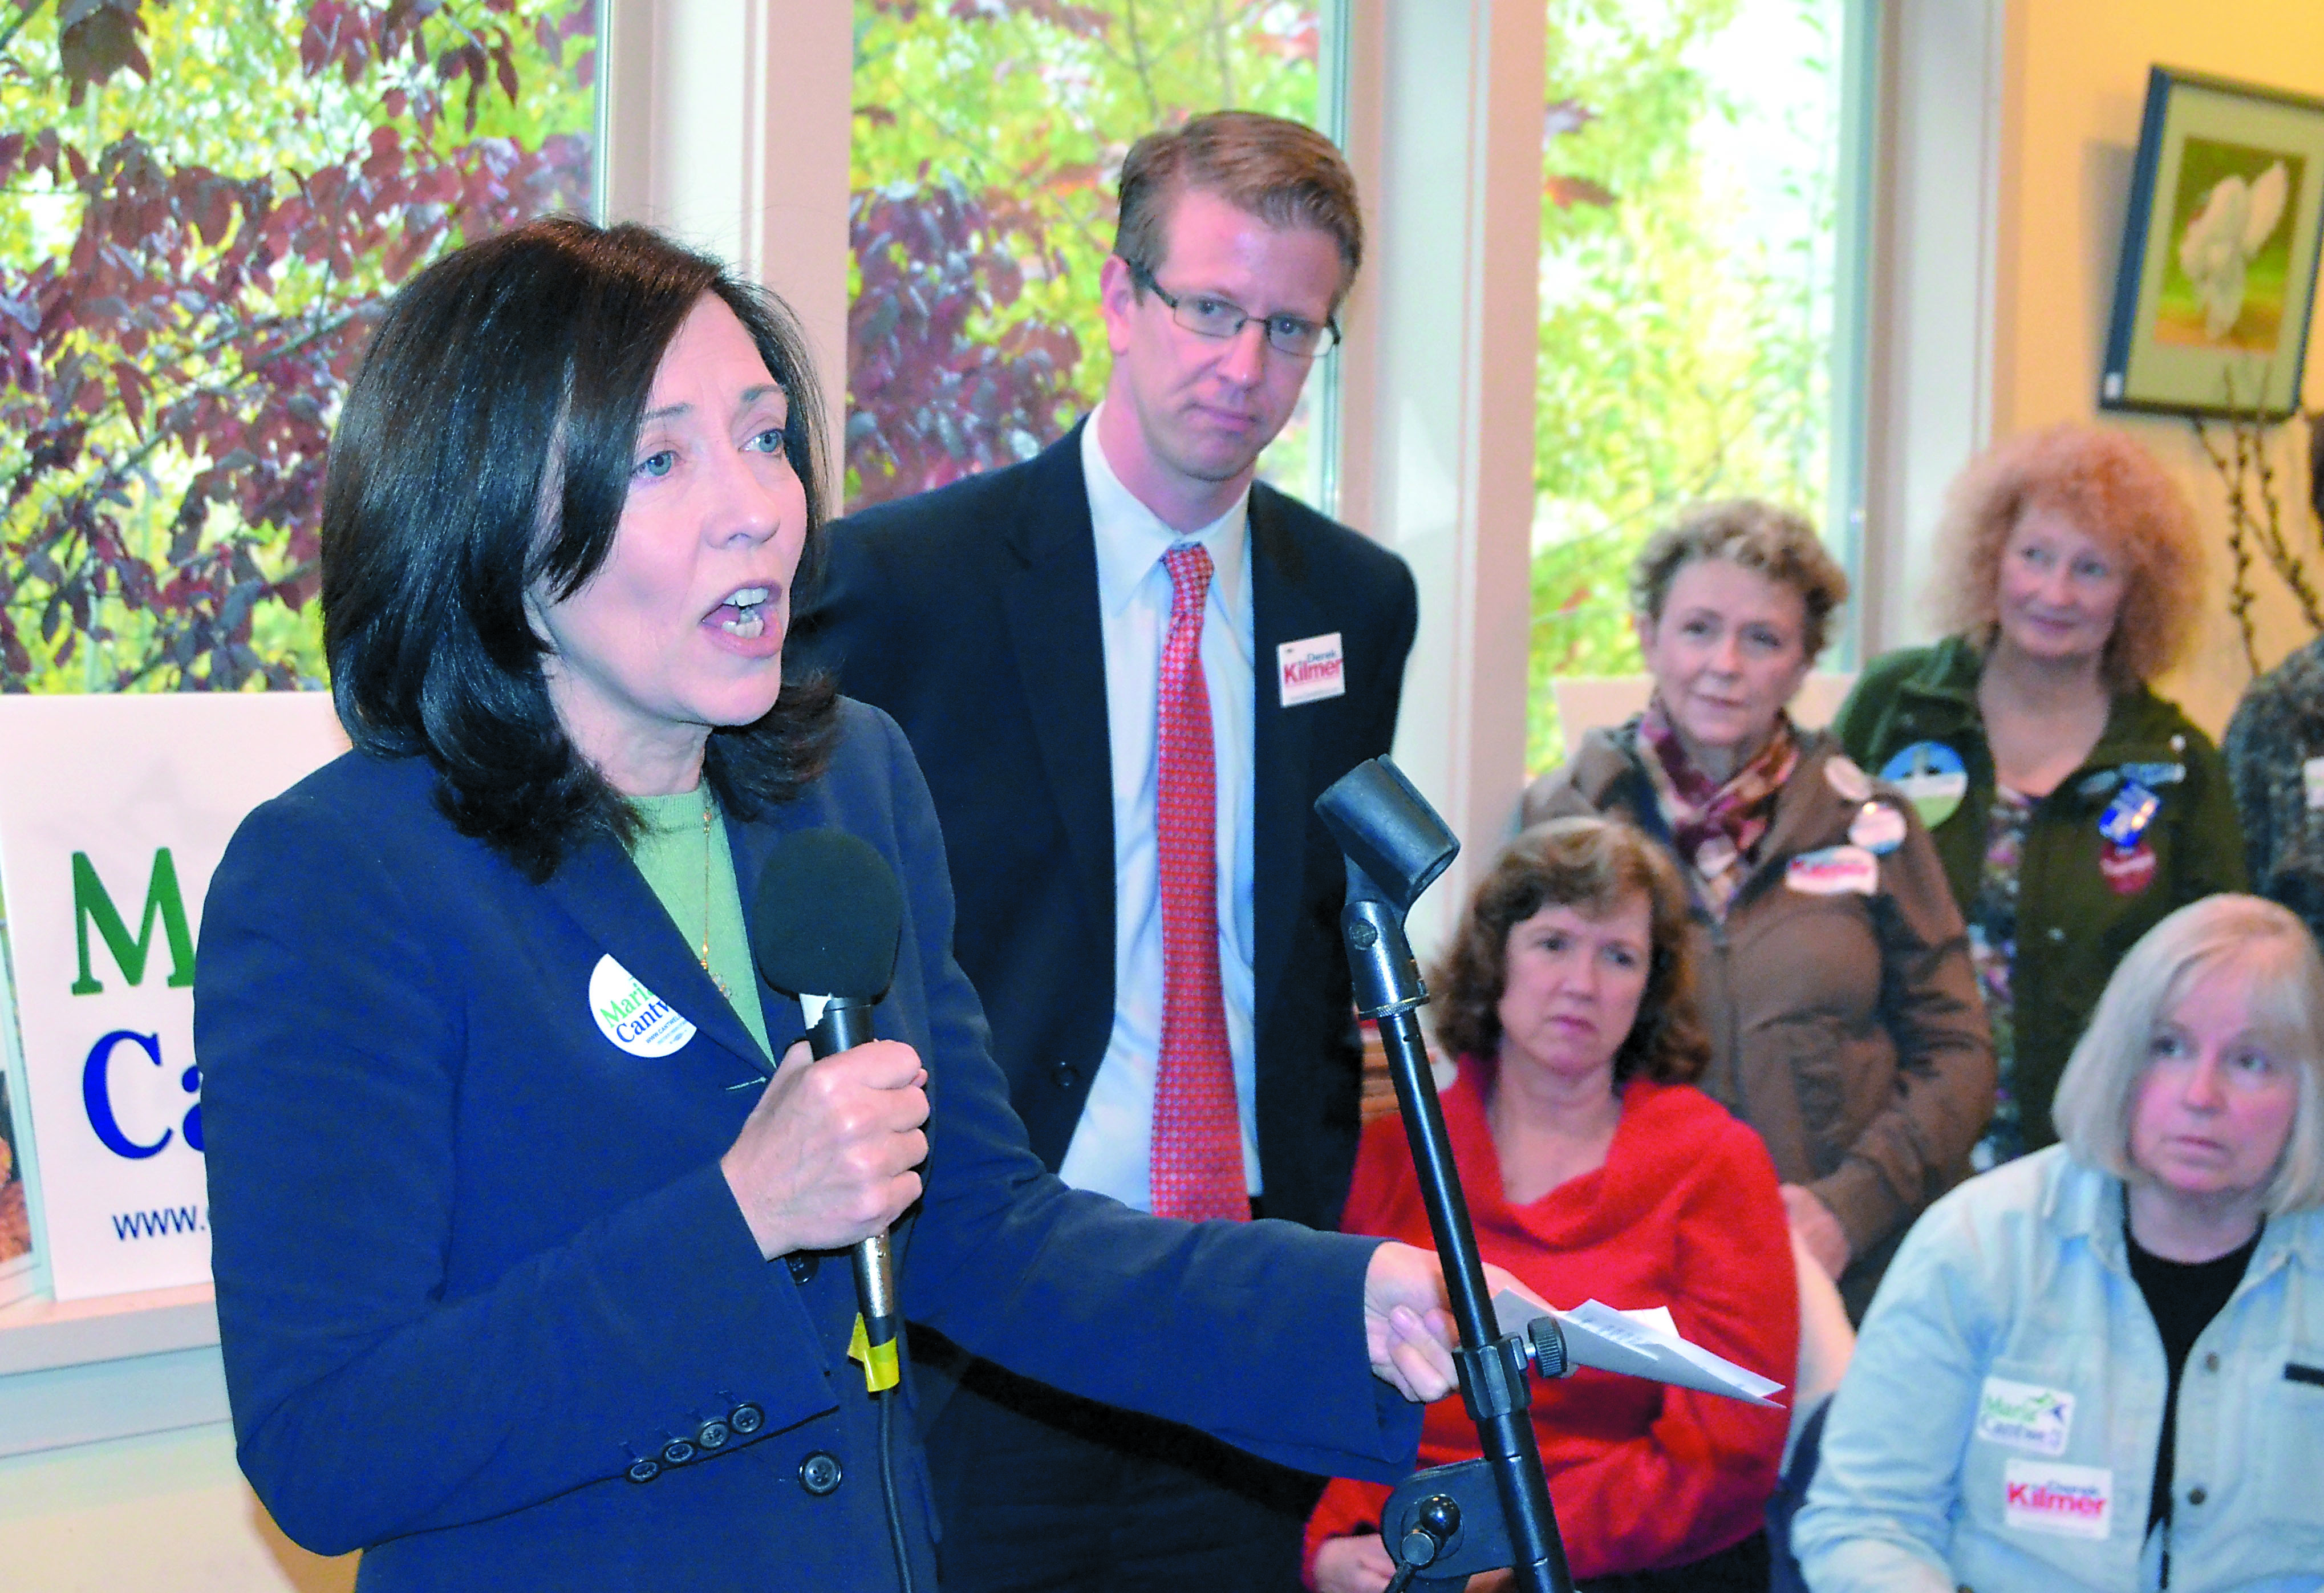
2049, 1497
1932, 778
1836, 871
1310, 669
2311, 779
2025, 1415
631, 1016
1878, 827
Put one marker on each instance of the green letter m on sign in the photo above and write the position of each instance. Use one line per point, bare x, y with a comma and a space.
162, 898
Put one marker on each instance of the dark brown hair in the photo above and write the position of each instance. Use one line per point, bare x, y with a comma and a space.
1592, 865
1285, 174
485, 451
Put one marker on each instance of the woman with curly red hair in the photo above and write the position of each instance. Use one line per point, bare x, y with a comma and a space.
2073, 808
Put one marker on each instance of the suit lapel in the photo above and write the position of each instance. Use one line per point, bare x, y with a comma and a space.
1283, 610
1059, 647
601, 889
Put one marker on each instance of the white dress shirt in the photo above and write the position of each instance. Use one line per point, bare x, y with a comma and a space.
1112, 1146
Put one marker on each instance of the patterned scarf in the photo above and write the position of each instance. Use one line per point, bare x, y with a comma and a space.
1714, 827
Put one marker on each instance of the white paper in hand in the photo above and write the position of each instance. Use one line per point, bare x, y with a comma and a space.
1637, 1344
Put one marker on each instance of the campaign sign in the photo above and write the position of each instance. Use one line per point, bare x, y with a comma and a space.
113, 812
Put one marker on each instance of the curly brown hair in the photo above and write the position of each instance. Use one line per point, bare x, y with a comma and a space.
1592, 865
1773, 543
2115, 492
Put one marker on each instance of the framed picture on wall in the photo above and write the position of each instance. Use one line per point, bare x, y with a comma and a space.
2218, 279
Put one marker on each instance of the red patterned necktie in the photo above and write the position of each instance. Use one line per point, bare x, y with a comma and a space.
1197, 1153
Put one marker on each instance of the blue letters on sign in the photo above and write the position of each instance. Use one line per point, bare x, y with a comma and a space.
97, 1097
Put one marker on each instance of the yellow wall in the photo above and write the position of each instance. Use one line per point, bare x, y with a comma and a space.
2075, 81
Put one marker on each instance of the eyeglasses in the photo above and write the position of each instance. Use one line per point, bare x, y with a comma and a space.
1206, 317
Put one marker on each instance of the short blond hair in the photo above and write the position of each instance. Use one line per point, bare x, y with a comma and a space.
2243, 937
2115, 492
1773, 543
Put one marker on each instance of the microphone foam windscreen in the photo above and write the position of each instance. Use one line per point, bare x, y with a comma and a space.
829, 917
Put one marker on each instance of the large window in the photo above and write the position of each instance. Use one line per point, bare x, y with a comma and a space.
987, 138
1692, 168
202, 207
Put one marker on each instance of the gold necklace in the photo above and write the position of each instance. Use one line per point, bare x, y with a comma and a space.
709, 813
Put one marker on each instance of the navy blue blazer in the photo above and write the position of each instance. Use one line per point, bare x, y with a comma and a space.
474, 1262
970, 614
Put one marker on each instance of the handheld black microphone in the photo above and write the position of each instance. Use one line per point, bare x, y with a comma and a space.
830, 916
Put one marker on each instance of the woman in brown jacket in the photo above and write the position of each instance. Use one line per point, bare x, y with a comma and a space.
1845, 1022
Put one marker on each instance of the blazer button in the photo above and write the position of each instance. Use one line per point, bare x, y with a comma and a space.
677, 1451
746, 1419
1067, 1075
802, 1263
819, 1473
712, 1434
643, 1469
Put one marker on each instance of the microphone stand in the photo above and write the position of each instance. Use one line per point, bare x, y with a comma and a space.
1443, 1521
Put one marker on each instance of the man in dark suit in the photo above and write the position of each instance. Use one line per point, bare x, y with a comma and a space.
1128, 670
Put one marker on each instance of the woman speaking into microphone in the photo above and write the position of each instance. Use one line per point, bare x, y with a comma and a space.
530, 1257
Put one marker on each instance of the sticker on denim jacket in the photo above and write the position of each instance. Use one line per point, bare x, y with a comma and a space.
2051, 1496
631, 1016
1932, 778
2024, 1416
2311, 779
1836, 871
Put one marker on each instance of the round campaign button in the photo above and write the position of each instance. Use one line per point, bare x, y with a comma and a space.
633, 1016
1878, 827
1844, 778
2128, 869
1932, 778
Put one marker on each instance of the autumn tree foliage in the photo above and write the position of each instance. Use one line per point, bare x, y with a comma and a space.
987, 135
203, 208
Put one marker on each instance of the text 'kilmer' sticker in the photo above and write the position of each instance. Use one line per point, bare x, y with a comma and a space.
2049, 1497
1310, 669
2025, 1415
631, 1016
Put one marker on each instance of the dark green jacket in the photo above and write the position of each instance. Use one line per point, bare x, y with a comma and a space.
2072, 928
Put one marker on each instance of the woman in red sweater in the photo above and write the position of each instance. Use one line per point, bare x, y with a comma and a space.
1594, 1170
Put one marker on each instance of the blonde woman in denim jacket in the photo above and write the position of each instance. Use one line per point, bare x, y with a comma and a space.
2014, 1418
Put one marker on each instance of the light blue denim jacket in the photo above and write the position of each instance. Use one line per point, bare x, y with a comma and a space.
1996, 1430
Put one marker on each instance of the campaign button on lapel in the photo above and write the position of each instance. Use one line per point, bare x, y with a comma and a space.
1932, 778
631, 1016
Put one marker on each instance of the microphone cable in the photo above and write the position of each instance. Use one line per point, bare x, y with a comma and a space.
886, 1403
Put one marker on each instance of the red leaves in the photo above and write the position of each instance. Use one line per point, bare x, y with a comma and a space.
931, 402
1567, 192
97, 38
195, 337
